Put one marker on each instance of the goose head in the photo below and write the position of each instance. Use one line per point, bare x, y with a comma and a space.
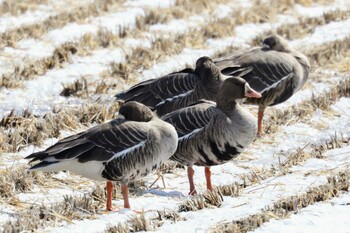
207, 70
135, 111
232, 89
275, 42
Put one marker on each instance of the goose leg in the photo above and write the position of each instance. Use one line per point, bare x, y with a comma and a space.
208, 178
125, 193
190, 174
260, 119
110, 188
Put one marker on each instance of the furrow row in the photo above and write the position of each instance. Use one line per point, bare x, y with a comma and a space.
336, 184
120, 64
293, 158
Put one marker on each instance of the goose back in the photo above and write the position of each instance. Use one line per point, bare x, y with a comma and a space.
120, 150
153, 91
277, 75
178, 90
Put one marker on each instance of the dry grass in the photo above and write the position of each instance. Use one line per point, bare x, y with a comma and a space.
260, 12
326, 53
206, 200
120, 228
199, 6
33, 130
224, 27
141, 58
35, 217
77, 14
31, 68
13, 7
79, 88
303, 110
18, 179
284, 208
141, 223
307, 25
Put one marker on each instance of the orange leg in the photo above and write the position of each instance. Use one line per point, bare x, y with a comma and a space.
190, 174
260, 119
125, 193
110, 188
208, 178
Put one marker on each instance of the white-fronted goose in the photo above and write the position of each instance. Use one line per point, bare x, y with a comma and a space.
179, 89
212, 134
277, 71
121, 150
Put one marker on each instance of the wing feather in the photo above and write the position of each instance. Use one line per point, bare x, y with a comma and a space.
192, 118
152, 92
267, 67
100, 143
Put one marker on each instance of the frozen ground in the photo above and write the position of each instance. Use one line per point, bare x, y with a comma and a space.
40, 94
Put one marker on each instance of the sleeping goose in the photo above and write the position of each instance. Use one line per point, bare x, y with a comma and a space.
121, 150
212, 134
277, 71
179, 89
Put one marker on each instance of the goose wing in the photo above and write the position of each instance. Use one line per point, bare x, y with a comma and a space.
268, 67
101, 143
152, 92
192, 118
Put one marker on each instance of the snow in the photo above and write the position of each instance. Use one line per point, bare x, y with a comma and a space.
42, 94
325, 34
153, 3
255, 197
29, 17
322, 217
9, 22
32, 95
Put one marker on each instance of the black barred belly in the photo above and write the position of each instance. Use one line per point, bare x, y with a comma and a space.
221, 155
203, 154
127, 171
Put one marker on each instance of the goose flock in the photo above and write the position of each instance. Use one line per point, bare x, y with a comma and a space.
192, 116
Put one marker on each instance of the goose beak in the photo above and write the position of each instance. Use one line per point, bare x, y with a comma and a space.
250, 92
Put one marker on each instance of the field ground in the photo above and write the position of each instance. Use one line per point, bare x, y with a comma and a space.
61, 62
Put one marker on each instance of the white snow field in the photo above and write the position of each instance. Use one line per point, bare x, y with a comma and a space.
304, 150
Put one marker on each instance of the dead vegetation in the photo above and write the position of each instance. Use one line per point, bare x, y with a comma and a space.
120, 228
199, 6
35, 217
307, 25
260, 12
61, 119
31, 129
139, 222
39, 28
326, 53
141, 57
207, 200
301, 111
18, 179
13, 7
284, 208
79, 88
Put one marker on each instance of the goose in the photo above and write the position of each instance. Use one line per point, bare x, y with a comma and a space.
179, 89
124, 149
214, 133
276, 72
